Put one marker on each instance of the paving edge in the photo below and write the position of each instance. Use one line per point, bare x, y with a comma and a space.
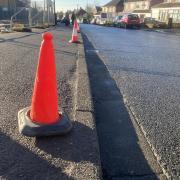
84, 103
152, 148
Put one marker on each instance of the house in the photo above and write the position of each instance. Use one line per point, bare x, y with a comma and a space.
81, 12
140, 7
97, 10
164, 11
113, 9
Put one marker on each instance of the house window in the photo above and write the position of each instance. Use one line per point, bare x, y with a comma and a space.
162, 15
176, 16
143, 5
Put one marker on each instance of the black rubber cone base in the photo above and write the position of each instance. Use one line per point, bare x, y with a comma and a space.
29, 128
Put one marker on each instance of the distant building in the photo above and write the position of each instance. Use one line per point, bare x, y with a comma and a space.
166, 10
97, 10
113, 8
81, 12
140, 7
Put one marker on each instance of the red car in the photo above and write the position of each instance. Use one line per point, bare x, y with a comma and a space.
130, 20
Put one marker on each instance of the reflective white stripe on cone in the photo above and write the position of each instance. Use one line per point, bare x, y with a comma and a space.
74, 34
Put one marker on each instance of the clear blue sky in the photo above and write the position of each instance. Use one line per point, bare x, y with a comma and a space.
71, 4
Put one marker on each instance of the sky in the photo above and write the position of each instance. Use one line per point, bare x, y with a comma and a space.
63, 5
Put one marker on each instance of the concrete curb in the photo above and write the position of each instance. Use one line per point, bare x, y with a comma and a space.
84, 113
162, 31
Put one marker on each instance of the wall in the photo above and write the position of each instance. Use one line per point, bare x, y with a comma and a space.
162, 14
111, 12
130, 6
109, 9
155, 13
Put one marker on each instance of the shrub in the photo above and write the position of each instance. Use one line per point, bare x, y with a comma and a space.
109, 23
22, 29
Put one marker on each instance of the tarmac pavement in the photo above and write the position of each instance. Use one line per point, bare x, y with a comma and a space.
125, 154
135, 78
74, 156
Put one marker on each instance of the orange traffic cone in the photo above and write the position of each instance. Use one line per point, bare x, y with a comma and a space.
43, 118
75, 33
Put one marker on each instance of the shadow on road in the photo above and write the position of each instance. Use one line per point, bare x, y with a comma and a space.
33, 46
73, 147
17, 162
21, 37
121, 155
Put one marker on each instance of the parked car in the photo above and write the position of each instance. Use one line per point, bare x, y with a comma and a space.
117, 21
153, 23
130, 20
65, 21
85, 21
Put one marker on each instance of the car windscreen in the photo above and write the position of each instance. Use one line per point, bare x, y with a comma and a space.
133, 17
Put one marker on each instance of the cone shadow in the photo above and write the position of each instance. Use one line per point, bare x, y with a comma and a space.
72, 147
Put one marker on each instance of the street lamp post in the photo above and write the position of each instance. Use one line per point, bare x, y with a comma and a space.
77, 5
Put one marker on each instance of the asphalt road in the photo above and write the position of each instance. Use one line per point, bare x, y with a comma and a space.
138, 73
40, 158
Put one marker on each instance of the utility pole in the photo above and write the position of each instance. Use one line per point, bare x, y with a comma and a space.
8, 10
48, 12
55, 16
44, 13
77, 5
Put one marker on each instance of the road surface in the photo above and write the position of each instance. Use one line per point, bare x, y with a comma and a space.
135, 73
49, 157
